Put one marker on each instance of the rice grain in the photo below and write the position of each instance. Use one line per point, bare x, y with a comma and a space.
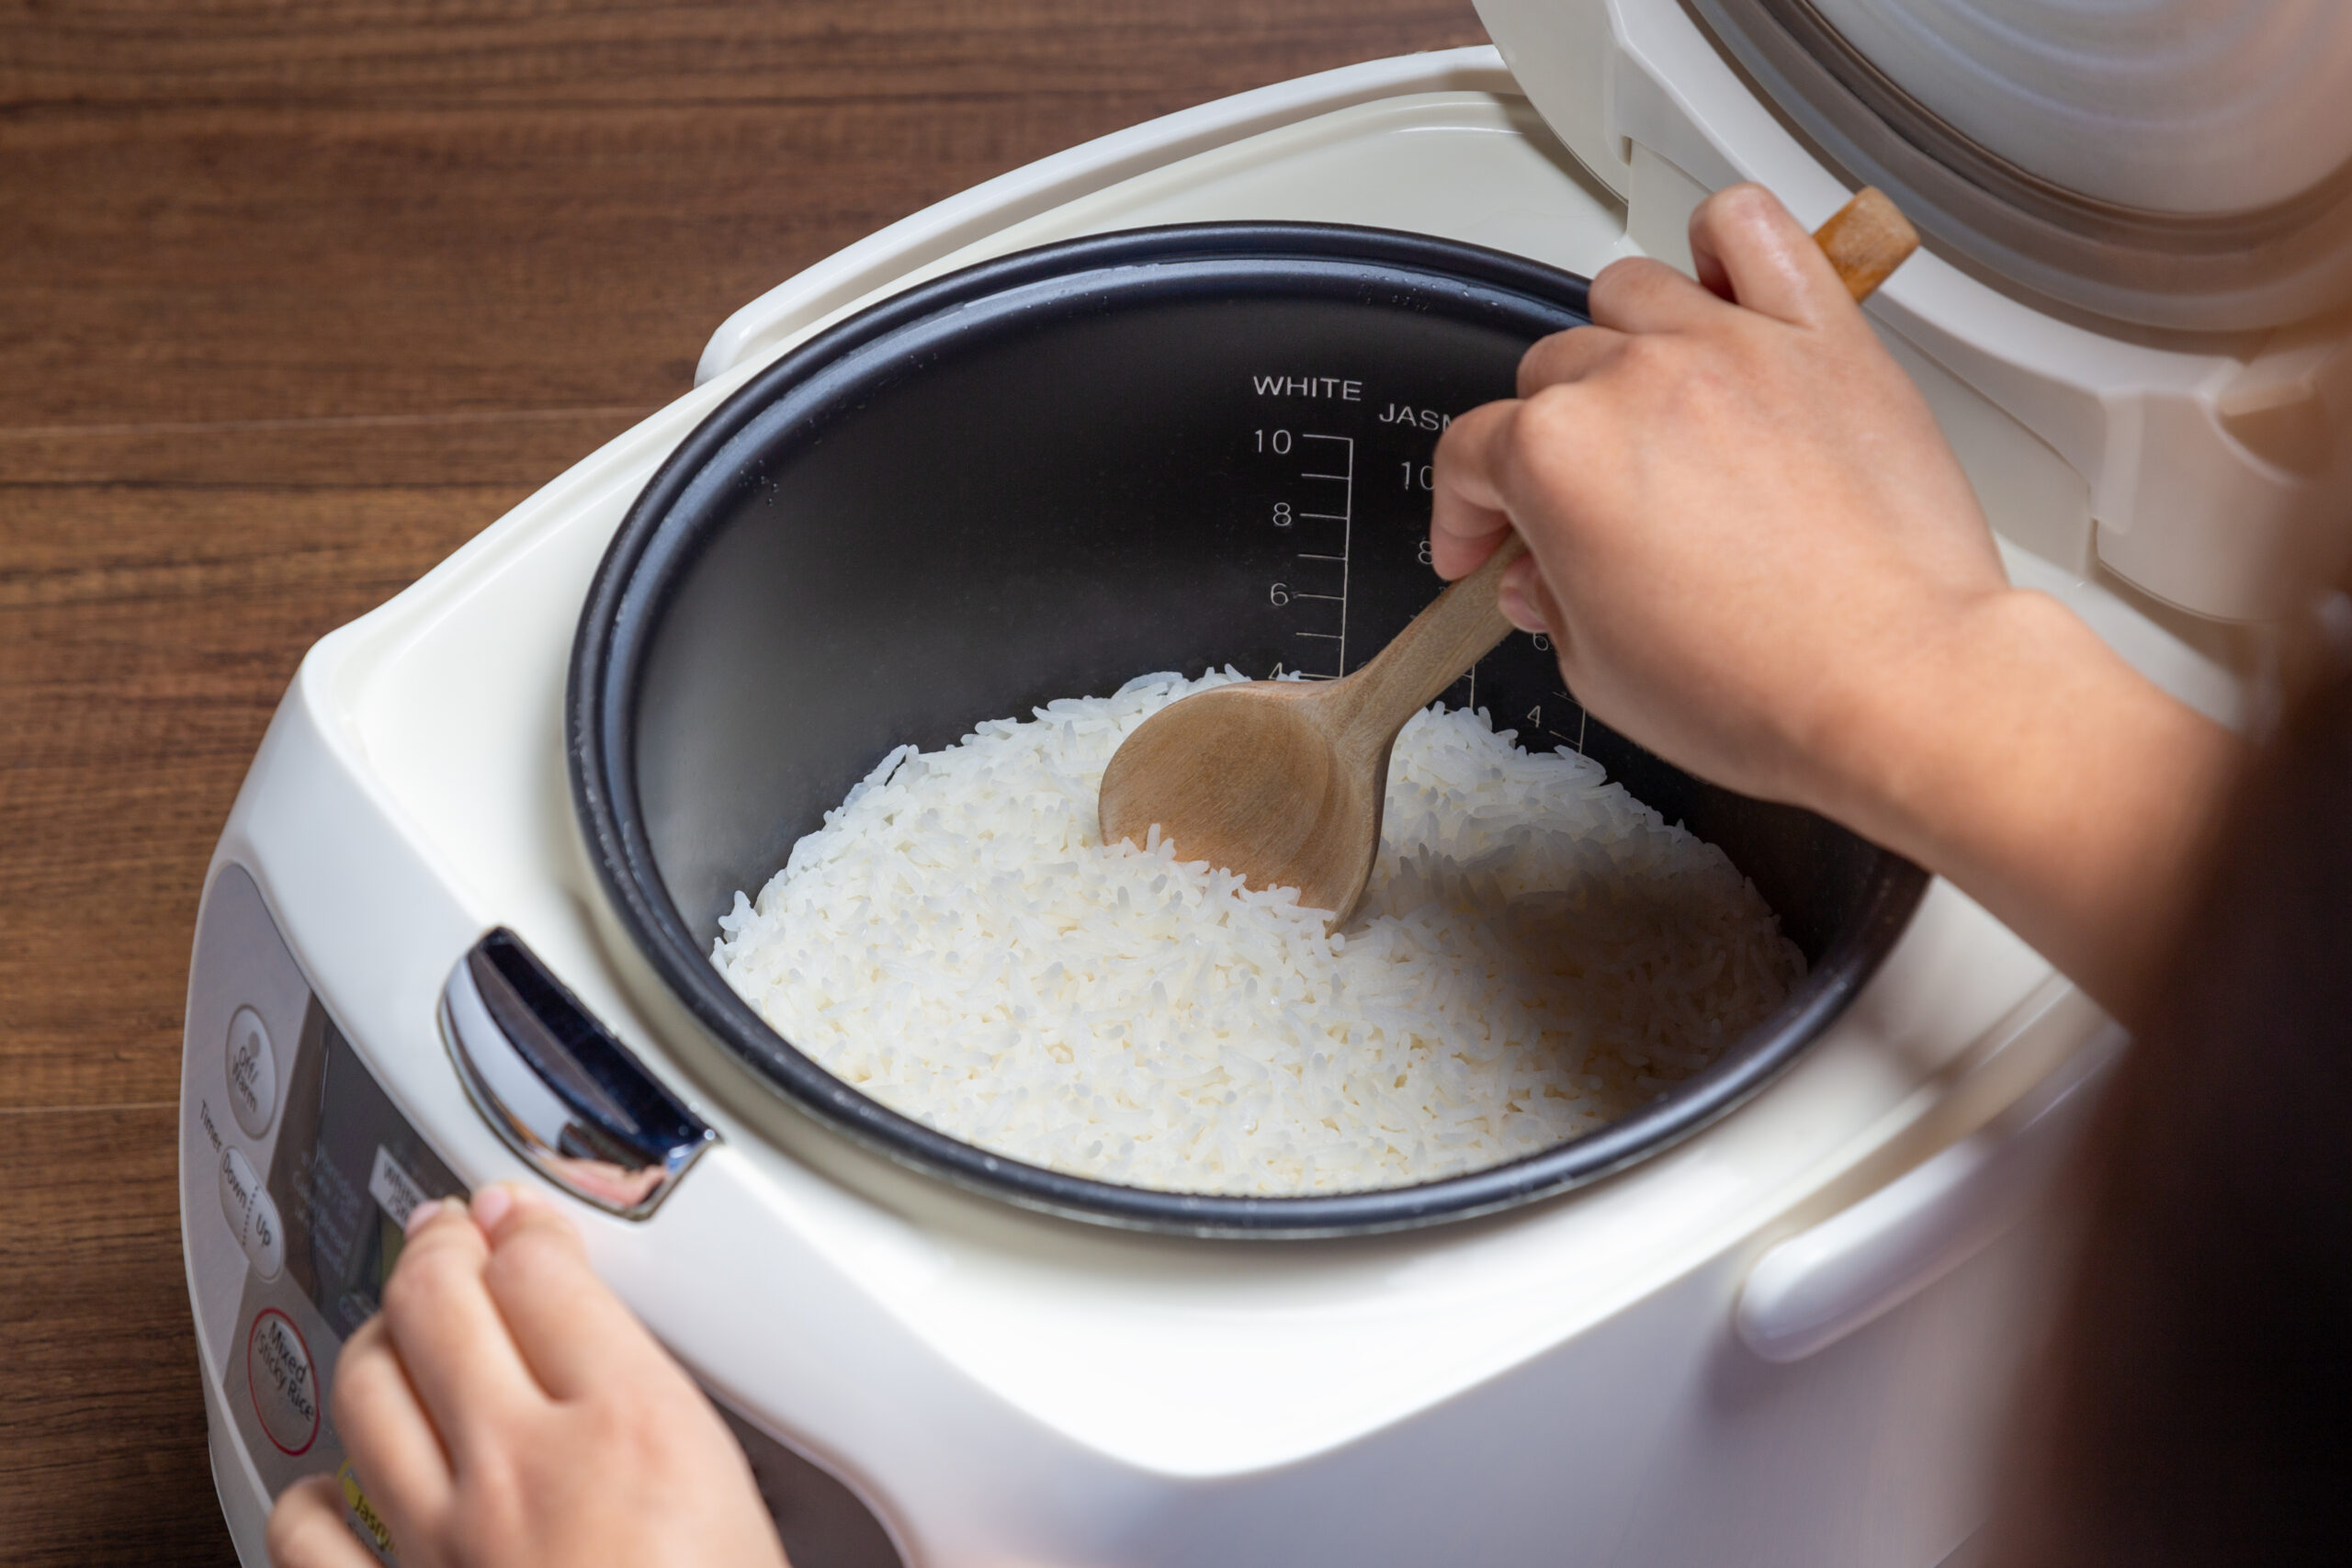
1536, 953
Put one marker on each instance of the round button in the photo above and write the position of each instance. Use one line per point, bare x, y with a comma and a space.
283, 1387
252, 1073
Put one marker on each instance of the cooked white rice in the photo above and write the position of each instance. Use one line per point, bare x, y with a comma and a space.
1537, 952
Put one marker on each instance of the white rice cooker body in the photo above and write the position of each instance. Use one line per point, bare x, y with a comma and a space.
1780, 1342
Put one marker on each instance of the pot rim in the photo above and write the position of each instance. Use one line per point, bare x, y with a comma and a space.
652, 548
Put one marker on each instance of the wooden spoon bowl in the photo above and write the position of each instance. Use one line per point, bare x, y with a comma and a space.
1284, 781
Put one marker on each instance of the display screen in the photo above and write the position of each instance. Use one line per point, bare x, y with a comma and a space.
356, 1172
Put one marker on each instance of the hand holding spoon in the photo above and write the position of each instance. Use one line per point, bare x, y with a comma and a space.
1283, 781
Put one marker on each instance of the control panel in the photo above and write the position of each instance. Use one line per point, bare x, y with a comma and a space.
298, 1174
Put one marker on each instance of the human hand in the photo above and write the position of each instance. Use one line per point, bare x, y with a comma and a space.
506, 1410
1757, 556
1744, 524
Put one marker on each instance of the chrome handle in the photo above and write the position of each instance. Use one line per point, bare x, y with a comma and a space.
555, 1083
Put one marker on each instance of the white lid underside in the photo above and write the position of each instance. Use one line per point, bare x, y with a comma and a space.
2186, 106
2173, 163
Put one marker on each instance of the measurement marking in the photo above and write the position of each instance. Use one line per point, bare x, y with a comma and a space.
1326, 516
1347, 537
1583, 718
1304, 556
1331, 598
1320, 636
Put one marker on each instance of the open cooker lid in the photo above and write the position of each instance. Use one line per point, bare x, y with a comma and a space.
2177, 164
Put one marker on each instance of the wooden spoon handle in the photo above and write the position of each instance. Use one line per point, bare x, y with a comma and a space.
1460, 626
1865, 239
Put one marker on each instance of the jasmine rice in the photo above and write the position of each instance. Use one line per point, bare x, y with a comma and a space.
1537, 952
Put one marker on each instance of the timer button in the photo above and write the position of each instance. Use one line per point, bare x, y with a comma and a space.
252, 1073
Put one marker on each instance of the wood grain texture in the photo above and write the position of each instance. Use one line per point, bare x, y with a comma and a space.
102, 1447
1866, 240
294, 299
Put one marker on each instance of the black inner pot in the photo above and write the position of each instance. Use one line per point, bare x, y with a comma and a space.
1165, 449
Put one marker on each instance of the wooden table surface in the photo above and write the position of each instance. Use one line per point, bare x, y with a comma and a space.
293, 299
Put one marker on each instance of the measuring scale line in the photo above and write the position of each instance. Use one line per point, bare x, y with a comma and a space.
1345, 517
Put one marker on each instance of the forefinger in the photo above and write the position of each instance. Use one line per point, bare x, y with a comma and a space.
573, 1330
1467, 515
452, 1342
1641, 295
1567, 356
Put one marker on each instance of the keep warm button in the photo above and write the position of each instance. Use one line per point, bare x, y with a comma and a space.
252, 1213
285, 1387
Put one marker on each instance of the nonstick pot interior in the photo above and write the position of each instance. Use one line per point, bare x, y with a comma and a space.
1167, 449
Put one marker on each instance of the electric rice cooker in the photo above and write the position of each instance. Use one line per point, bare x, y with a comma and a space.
1019, 445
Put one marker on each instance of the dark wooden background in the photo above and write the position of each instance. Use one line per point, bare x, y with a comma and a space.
294, 298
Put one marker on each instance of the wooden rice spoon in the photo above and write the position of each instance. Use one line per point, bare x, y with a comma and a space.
1283, 781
